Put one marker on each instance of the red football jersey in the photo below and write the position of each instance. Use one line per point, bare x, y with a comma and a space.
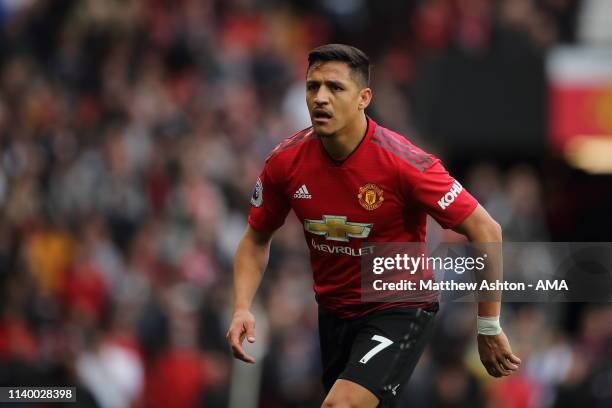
382, 192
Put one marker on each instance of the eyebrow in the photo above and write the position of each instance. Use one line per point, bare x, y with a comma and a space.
328, 83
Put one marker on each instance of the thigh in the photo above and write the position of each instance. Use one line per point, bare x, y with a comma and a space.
335, 347
385, 351
346, 393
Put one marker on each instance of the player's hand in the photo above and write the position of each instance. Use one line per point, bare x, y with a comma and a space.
242, 325
496, 355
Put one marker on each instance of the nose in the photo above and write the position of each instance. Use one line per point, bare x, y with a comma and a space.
321, 97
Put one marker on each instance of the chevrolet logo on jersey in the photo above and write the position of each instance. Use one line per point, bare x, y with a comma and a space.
337, 228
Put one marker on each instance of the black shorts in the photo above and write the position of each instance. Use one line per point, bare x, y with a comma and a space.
378, 351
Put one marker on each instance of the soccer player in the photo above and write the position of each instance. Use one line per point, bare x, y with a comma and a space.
349, 180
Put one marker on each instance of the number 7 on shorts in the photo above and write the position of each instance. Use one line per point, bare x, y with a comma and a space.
384, 343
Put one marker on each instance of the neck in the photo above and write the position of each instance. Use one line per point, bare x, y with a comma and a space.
341, 144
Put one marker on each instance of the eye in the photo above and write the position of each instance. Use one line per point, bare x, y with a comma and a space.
312, 86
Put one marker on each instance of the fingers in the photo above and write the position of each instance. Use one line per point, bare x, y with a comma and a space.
502, 369
250, 331
503, 366
508, 365
234, 338
509, 361
492, 369
496, 355
514, 359
243, 325
240, 354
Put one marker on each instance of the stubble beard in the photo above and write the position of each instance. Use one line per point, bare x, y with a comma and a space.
325, 135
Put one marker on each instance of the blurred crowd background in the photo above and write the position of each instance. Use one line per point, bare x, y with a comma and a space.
131, 135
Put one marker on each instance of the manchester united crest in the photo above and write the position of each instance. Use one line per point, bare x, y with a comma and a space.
370, 196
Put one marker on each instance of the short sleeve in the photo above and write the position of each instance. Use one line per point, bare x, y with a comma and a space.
269, 206
443, 197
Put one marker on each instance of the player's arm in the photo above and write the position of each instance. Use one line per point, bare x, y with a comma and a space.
494, 348
269, 208
480, 227
249, 265
453, 207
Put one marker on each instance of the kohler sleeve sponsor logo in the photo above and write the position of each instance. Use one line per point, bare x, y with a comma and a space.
448, 198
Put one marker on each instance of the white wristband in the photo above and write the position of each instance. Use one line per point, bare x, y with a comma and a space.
488, 326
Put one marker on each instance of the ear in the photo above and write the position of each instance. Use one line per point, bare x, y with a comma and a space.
365, 97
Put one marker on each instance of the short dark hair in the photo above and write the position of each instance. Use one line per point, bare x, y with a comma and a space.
356, 59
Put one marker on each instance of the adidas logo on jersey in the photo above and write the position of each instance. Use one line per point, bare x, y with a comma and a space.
302, 192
